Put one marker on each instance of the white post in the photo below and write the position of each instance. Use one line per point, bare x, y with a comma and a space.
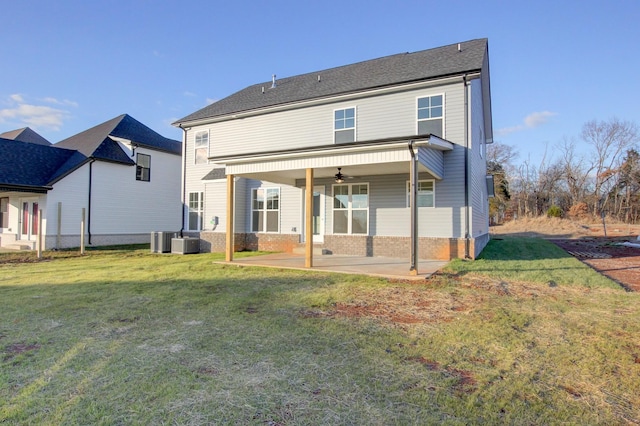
40, 234
82, 232
59, 225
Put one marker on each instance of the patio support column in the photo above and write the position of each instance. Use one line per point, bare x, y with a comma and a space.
230, 214
308, 258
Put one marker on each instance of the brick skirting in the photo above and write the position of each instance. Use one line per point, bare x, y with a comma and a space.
351, 245
428, 247
211, 242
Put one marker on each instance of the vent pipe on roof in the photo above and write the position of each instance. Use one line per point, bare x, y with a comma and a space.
273, 81
263, 90
318, 78
459, 48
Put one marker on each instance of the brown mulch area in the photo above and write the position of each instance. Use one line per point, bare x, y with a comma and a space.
605, 255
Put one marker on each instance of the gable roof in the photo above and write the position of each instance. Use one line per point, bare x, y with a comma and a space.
34, 167
25, 135
97, 143
376, 73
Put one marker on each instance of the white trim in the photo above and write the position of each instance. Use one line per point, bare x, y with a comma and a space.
444, 104
196, 147
350, 209
264, 209
433, 191
355, 124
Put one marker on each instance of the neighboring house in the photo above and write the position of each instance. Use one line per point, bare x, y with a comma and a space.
349, 138
125, 177
25, 135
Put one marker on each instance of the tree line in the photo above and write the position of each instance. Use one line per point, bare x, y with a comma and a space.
601, 181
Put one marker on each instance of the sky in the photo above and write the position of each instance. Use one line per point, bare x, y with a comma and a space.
69, 65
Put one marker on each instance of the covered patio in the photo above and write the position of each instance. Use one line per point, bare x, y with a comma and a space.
384, 267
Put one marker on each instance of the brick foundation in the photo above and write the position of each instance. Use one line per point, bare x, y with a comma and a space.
428, 247
351, 245
211, 242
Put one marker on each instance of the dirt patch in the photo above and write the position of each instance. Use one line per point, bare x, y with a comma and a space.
550, 227
19, 348
607, 256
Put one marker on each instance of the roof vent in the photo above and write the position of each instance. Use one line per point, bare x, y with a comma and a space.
459, 48
273, 81
263, 90
318, 78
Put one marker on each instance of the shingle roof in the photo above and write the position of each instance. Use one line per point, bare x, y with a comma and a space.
387, 71
25, 135
33, 165
96, 143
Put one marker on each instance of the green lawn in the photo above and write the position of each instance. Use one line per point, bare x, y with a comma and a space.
128, 337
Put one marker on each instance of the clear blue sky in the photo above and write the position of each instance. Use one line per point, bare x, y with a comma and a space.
70, 65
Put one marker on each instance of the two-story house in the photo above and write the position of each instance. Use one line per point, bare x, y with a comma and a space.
384, 157
124, 176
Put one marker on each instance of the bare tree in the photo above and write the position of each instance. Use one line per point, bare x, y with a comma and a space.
610, 140
576, 171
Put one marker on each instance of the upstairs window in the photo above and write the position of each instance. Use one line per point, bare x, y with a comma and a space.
202, 147
265, 210
426, 193
344, 125
430, 115
143, 167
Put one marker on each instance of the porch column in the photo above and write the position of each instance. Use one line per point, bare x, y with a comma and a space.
308, 259
413, 200
230, 234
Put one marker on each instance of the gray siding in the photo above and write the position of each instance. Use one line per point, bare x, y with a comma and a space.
381, 116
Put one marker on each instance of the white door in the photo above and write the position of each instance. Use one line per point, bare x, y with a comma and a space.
318, 214
29, 219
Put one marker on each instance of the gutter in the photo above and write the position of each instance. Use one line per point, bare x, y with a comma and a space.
184, 176
89, 203
467, 237
413, 176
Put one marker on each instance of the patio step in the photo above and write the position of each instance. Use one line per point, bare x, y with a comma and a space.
19, 246
317, 250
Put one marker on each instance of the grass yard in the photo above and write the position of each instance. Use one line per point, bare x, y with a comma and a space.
129, 337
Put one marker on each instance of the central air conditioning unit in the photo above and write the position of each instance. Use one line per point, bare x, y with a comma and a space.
161, 241
185, 245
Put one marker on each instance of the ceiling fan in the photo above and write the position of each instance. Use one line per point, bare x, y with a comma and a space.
340, 177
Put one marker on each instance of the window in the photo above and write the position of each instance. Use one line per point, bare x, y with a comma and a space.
196, 211
430, 115
351, 208
265, 210
344, 125
143, 167
4, 212
426, 193
202, 147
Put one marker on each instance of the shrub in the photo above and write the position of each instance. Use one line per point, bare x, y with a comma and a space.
554, 211
579, 211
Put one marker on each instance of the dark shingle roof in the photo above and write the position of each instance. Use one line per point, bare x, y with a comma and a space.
96, 143
32, 165
25, 135
387, 71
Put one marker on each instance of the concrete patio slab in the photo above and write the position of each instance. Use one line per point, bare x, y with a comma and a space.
385, 267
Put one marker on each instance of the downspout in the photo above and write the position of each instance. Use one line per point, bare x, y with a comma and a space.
89, 203
413, 177
466, 169
184, 175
